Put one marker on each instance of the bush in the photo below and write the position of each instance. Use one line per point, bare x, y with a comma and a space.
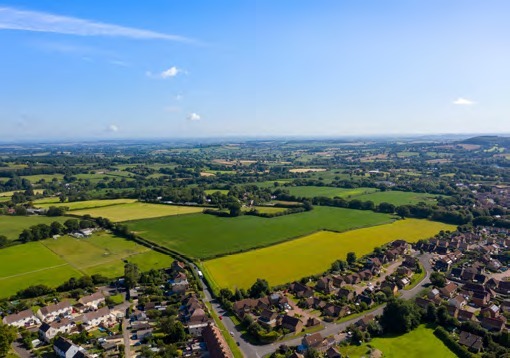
456, 348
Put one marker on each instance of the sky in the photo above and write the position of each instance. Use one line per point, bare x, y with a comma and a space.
187, 68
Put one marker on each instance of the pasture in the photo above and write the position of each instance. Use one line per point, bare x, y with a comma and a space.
422, 341
9, 193
327, 191
80, 205
51, 262
312, 254
137, 211
205, 236
11, 226
398, 197
46, 177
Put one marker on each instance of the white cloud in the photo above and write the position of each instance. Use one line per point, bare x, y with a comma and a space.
35, 21
113, 128
194, 116
463, 102
171, 72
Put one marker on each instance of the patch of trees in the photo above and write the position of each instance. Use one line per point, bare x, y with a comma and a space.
400, 316
35, 291
44, 231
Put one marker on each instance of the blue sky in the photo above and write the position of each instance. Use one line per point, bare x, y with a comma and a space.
161, 68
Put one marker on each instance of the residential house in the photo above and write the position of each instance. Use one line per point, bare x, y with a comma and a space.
313, 341
433, 293
403, 282
368, 300
244, 306
471, 341
325, 285
363, 323
292, 324
452, 311
51, 312
365, 275
464, 315
404, 271
144, 333
332, 310
346, 294
481, 299
24, 318
48, 331
410, 262
300, 290
448, 290
458, 301
492, 311
391, 285
423, 302
64, 348
216, 344
100, 317
178, 266
493, 324
352, 279
179, 282
338, 281
312, 322
332, 352
268, 318
92, 301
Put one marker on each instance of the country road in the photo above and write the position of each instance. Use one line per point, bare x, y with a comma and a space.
250, 350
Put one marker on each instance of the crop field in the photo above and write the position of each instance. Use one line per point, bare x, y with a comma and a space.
266, 209
46, 177
12, 226
137, 211
330, 192
422, 341
398, 197
205, 236
51, 262
80, 205
9, 193
311, 254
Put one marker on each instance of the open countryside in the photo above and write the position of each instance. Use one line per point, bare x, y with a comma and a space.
311, 254
53, 261
12, 226
205, 236
79, 205
137, 211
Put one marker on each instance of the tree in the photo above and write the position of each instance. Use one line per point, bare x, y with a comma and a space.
3, 240
131, 275
338, 265
7, 336
72, 225
174, 329
438, 279
351, 258
400, 316
56, 228
431, 314
259, 289
403, 211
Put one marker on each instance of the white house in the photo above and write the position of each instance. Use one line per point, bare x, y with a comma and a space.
96, 318
92, 301
65, 348
24, 318
48, 331
51, 312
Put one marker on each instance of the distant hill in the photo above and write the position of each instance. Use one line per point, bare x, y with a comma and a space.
488, 141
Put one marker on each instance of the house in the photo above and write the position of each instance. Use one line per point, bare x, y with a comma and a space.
443, 264
492, 311
391, 285
481, 299
48, 331
493, 324
423, 302
51, 312
244, 306
268, 318
144, 333
216, 344
325, 285
338, 281
346, 294
453, 311
433, 293
403, 282
313, 340
180, 283
352, 279
178, 266
24, 318
503, 287
464, 315
410, 262
471, 341
64, 348
404, 271
368, 300
456, 273
363, 323
312, 322
92, 301
365, 275
292, 324
300, 290
332, 352
102, 316
458, 301
448, 291
197, 320
332, 310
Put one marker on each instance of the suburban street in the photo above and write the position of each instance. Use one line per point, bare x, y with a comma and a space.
125, 333
250, 350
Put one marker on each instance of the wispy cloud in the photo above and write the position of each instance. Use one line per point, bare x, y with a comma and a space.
112, 128
463, 102
194, 117
14, 19
166, 74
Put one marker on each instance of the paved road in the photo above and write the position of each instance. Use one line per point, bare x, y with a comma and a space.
125, 333
250, 350
20, 350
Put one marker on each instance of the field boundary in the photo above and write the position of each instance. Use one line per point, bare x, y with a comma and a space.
34, 271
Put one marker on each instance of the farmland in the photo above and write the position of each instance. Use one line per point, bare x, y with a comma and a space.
422, 341
205, 236
12, 226
330, 192
312, 254
137, 211
79, 205
398, 197
51, 262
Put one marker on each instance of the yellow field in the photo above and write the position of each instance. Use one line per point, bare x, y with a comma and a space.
136, 211
311, 254
9, 193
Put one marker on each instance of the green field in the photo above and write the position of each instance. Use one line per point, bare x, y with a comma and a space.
80, 205
9, 193
266, 209
205, 236
137, 211
46, 177
212, 191
51, 262
416, 344
327, 191
12, 226
398, 197
311, 254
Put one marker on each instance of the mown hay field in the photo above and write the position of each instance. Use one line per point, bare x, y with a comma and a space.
137, 211
205, 236
330, 192
80, 205
11, 226
51, 261
312, 254
399, 197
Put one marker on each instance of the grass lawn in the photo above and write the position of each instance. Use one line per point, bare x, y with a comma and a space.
312, 254
330, 192
52, 262
205, 236
80, 205
416, 344
398, 197
12, 226
137, 211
